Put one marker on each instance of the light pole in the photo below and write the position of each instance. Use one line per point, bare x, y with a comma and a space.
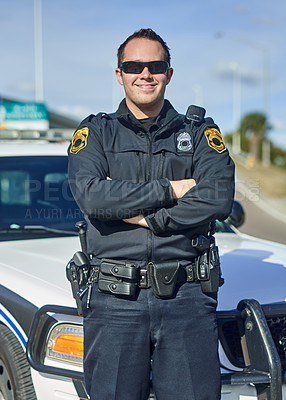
198, 94
39, 86
266, 87
236, 145
265, 64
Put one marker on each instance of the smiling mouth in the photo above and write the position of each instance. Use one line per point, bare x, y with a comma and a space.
146, 86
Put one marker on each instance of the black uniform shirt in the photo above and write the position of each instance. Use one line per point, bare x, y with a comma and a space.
140, 163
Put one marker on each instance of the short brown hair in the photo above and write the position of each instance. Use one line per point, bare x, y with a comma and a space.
144, 34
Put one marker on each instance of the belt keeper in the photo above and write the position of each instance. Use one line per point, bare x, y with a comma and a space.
143, 283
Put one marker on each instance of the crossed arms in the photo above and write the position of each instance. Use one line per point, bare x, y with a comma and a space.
179, 187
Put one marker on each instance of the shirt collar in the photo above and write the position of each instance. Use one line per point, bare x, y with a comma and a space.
126, 117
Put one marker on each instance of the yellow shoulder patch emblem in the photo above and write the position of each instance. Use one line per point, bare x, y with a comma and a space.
215, 139
79, 140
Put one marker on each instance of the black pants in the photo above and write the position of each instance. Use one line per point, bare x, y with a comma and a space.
179, 335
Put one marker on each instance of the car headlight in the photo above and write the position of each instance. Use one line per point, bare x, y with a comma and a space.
65, 343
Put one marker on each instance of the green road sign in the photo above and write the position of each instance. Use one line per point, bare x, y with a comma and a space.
23, 116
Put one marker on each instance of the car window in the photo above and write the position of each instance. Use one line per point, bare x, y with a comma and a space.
34, 190
14, 187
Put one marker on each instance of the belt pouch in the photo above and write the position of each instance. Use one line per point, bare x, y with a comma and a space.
118, 278
163, 277
120, 270
126, 289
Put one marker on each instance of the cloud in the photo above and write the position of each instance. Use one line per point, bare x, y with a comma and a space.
78, 112
22, 87
233, 71
279, 124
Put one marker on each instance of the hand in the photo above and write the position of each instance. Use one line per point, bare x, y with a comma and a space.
181, 187
138, 220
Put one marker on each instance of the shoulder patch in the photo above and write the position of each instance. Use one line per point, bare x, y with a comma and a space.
79, 140
215, 139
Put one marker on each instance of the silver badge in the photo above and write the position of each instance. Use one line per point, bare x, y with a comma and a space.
184, 141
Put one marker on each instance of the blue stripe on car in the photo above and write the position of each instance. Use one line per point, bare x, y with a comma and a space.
14, 327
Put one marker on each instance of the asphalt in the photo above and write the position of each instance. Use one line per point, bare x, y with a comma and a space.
265, 216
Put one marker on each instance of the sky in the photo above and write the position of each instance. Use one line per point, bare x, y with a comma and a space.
229, 56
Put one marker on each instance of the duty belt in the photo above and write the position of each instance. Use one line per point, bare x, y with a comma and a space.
124, 278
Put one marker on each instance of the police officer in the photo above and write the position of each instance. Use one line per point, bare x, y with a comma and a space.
149, 181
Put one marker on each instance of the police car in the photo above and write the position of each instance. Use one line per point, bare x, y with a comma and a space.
41, 335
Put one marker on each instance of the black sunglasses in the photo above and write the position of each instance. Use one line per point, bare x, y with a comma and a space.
136, 67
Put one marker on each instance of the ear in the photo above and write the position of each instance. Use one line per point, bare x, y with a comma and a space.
169, 74
119, 76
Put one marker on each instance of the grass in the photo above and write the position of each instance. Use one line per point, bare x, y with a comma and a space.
271, 180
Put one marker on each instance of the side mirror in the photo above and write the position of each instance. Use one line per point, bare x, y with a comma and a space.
237, 215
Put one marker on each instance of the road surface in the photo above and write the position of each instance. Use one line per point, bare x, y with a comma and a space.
263, 219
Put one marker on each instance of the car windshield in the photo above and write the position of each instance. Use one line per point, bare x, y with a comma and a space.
35, 196
34, 191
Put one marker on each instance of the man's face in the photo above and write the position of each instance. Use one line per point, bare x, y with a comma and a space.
144, 91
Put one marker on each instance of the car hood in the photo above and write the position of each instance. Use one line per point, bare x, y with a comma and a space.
35, 269
252, 268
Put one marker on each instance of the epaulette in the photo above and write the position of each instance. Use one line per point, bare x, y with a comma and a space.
103, 115
209, 121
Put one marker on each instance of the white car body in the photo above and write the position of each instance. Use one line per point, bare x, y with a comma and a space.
34, 269
43, 269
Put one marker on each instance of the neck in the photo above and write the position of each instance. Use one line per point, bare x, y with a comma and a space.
145, 111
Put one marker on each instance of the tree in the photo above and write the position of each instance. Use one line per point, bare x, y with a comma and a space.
255, 126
